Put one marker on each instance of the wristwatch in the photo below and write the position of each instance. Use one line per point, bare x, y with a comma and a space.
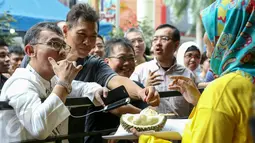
67, 86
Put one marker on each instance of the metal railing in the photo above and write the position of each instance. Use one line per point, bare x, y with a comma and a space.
78, 102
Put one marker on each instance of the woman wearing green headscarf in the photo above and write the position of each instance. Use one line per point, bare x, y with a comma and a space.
222, 112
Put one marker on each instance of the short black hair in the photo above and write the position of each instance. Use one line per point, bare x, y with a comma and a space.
84, 11
204, 58
176, 34
99, 36
32, 35
16, 49
124, 42
3, 43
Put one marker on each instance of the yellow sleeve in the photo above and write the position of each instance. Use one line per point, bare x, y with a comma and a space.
192, 112
151, 139
212, 127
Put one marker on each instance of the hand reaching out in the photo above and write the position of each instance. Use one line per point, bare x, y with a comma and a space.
186, 87
153, 79
101, 93
150, 96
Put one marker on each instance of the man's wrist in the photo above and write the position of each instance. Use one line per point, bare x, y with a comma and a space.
66, 85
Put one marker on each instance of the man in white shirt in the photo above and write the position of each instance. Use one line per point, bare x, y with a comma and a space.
156, 73
32, 118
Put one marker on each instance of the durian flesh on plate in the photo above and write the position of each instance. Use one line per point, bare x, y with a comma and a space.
148, 119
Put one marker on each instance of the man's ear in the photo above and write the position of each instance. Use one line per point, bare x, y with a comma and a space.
65, 29
106, 60
30, 51
177, 43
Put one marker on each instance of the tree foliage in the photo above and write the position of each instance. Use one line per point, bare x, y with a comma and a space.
5, 26
180, 6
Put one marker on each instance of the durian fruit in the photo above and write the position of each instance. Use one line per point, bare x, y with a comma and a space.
148, 119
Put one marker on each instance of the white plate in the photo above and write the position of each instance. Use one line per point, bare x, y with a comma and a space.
172, 130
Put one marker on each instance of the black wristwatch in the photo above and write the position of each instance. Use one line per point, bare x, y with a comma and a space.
67, 86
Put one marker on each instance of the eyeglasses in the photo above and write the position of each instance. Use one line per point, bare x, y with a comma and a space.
163, 39
192, 56
56, 45
124, 59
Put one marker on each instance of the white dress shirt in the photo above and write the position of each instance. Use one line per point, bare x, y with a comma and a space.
32, 118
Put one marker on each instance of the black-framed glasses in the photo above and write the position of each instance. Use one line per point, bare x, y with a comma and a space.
192, 56
57, 45
161, 38
124, 58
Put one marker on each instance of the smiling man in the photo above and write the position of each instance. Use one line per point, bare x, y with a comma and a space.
81, 32
48, 75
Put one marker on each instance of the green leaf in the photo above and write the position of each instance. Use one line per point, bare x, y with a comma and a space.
5, 20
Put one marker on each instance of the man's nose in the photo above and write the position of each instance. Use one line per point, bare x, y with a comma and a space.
7, 58
136, 43
96, 49
192, 58
158, 42
19, 62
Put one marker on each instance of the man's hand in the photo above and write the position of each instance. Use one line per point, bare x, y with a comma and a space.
150, 96
152, 79
186, 87
65, 70
101, 93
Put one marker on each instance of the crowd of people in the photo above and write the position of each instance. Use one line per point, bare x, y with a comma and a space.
69, 59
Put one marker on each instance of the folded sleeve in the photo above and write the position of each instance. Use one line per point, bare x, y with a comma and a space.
39, 118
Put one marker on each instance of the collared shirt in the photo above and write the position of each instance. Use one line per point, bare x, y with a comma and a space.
32, 119
177, 105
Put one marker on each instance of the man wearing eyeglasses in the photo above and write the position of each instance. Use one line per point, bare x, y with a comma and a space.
80, 32
119, 55
31, 118
156, 73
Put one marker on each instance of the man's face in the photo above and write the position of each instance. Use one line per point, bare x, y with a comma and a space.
99, 48
163, 44
122, 60
49, 45
82, 37
4, 59
15, 61
138, 42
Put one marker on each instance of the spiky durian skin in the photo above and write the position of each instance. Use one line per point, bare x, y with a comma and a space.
140, 129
